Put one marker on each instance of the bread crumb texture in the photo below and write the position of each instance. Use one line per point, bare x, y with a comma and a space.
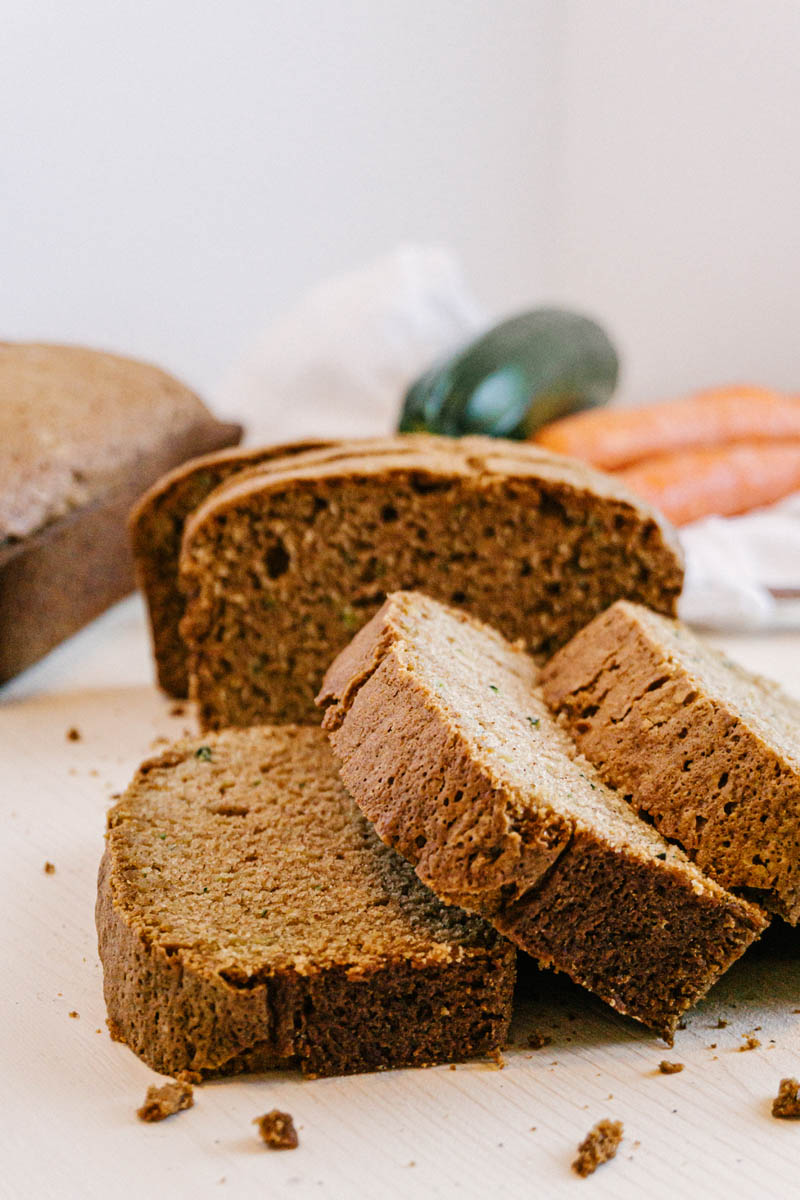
161, 1102
669, 1068
277, 1130
49, 868
599, 1146
786, 1105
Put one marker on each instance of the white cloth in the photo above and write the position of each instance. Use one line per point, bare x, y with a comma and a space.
338, 363
734, 564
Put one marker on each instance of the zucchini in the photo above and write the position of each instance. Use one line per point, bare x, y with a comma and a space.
523, 373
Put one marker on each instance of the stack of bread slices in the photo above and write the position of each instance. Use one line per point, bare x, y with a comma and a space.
520, 748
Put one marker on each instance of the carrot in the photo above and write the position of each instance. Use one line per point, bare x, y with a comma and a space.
725, 479
617, 437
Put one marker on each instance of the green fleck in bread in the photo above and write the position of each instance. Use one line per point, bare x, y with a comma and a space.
448, 747
249, 918
280, 568
708, 751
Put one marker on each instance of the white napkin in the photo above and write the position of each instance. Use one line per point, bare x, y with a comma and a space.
734, 564
338, 363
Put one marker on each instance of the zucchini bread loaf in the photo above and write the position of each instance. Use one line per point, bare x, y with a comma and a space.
248, 918
708, 751
447, 746
83, 434
282, 566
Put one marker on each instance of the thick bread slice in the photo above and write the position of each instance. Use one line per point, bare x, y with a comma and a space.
448, 747
157, 521
156, 528
280, 568
248, 917
708, 751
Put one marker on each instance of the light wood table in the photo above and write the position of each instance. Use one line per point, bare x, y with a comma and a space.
67, 1126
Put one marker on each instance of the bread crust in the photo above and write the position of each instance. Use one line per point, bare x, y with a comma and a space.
707, 750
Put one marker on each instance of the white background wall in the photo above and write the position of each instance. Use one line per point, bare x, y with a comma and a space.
173, 173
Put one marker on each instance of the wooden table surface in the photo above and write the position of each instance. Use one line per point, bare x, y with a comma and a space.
68, 1125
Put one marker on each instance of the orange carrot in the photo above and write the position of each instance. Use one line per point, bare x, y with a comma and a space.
617, 437
726, 479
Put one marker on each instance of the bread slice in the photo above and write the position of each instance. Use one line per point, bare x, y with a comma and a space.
248, 918
449, 749
82, 434
156, 528
708, 751
282, 567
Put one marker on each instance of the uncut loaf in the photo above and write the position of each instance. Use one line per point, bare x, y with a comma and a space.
82, 434
448, 748
710, 752
249, 918
280, 568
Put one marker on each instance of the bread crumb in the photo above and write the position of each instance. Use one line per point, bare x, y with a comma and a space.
73, 734
189, 1077
537, 1040
277, 1130
161, 1102
599, 1146
452, 1066
74, 1014
721, 1024
497, 1059
786, 1104
751, 1042
49, 868
177, 710
669, 1068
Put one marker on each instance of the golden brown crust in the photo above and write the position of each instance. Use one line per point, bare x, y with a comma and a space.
708, 751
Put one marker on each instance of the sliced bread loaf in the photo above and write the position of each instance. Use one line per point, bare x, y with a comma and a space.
449, 749
248, 917
280, 568
708, 751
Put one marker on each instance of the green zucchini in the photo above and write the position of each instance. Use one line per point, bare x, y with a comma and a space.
523, 373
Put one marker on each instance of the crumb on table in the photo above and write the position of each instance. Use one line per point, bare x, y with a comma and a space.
786, 1104
721, 1024
73, 734
49, 868
537, 1040
161, 1102
751, 1042
599, 1146
497, 1059
277, 1130
669, 1068
177, 710
74, 1014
